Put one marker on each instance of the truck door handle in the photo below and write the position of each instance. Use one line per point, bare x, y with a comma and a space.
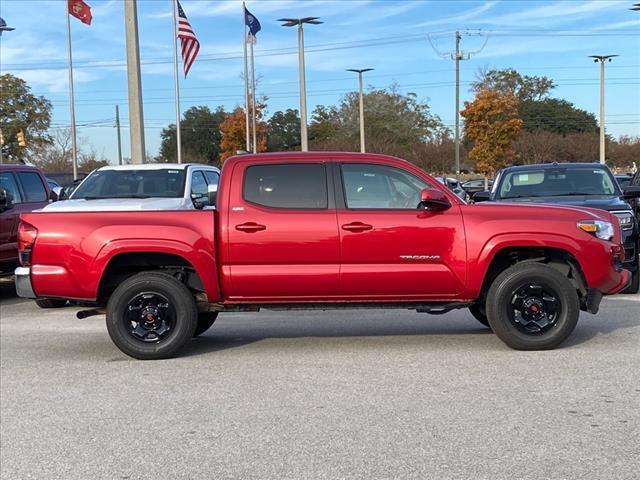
250, 227
356, 227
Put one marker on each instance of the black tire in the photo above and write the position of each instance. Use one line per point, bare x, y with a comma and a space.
635, 282
151, 316
479, 313
51, 303
205, 320
526, 291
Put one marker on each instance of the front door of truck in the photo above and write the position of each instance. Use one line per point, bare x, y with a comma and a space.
282, 235
390, 248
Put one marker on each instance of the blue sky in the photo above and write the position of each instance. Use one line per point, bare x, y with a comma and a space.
400, 39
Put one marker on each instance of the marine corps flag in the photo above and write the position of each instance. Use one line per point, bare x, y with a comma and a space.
80, 10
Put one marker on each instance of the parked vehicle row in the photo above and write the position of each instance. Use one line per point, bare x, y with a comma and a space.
326, 230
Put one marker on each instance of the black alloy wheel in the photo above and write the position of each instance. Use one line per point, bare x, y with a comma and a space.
151, 315
532, 306
535, 309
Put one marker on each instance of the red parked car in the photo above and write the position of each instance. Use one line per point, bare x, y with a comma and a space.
22, 189
325, 230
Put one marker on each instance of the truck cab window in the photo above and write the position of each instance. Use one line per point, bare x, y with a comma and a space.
198, 184
292, 186
8, 182
380, 187
33, 187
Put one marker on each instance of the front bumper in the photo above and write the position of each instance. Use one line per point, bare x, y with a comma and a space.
23, 282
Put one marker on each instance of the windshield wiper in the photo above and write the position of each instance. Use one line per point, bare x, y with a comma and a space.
102, 197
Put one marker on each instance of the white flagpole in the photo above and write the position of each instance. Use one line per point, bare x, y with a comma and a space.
246, 77
176, 80
74, 145
253, 95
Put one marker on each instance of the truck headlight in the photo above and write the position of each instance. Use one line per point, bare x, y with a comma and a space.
602, 230
626, 219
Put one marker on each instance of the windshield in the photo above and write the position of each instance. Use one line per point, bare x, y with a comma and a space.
561, 181
165, 183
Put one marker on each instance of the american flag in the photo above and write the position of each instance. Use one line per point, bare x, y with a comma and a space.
190, 44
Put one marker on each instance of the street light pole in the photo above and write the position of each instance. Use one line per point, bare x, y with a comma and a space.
602, 59
136, 120
291, 22
361, 102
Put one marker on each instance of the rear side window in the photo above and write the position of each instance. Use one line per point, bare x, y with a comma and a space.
301, 186
8, 182
33, 187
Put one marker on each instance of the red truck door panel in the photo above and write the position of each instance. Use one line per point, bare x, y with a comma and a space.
389, 248
282, 233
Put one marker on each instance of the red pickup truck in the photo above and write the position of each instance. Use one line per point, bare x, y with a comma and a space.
324, 230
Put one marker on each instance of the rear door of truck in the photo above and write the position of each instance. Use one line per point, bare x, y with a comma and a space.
282, 234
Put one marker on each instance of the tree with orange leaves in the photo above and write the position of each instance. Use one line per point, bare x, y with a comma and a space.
233, 131
493, 124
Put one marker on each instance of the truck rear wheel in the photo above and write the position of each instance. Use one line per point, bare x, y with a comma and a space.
532, 306
151, 316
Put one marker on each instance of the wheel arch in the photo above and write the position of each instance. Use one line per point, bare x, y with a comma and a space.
122, 265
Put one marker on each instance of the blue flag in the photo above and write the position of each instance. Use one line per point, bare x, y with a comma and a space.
251, 22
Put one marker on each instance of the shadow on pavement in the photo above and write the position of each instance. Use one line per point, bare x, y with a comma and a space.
225, 334
8, 294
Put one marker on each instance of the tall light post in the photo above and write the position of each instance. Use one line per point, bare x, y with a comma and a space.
602, 59
292, 22
360, 72
134, 79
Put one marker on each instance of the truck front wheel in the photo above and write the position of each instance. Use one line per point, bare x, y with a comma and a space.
532, 306
151, 316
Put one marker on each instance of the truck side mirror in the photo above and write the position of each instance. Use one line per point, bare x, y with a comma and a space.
206, 200
434, 200
5, 200
481, 197
631, 192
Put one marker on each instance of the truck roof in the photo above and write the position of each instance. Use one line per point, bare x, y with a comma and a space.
328, 156
157, 166
550, 166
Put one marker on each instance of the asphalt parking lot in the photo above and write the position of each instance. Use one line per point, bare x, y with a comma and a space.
311, 395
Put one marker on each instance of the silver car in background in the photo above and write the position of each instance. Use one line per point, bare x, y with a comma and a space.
157, 186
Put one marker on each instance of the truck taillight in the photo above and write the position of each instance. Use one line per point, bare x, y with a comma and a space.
27, 235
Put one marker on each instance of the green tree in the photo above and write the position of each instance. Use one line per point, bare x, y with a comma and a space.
283, 131
200, 135
21, 110
394, 122
510, 81
556, 116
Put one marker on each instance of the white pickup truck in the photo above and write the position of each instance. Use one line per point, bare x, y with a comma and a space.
158, 186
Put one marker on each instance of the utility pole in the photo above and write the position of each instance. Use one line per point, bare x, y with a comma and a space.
118, 135
457, 59
361, 102
602, 59
136, 119
291, 22
458, 55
